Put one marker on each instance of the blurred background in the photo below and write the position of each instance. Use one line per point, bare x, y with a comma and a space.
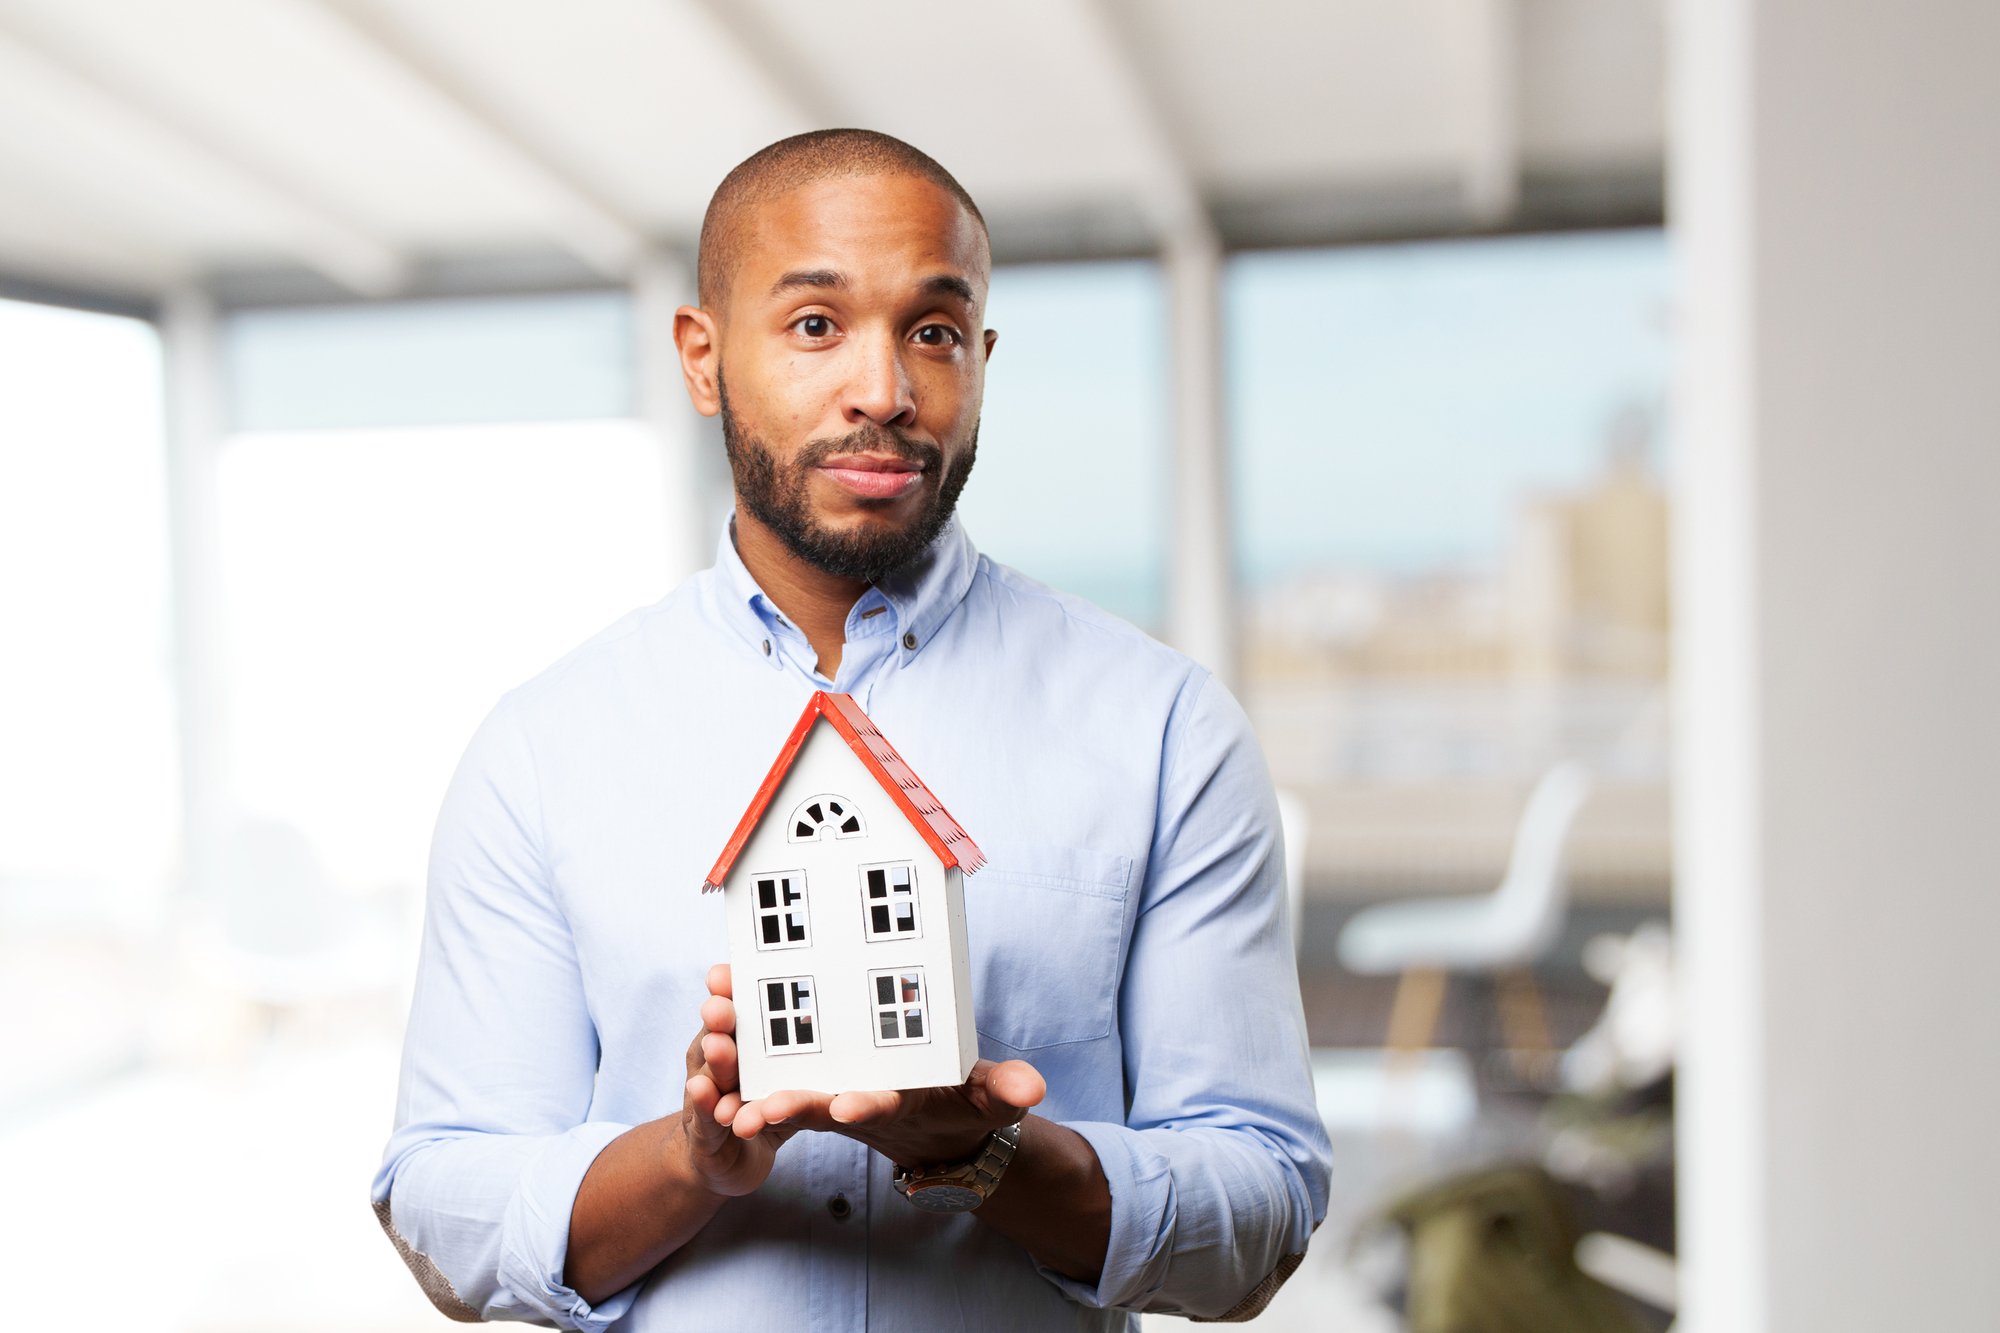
336, 398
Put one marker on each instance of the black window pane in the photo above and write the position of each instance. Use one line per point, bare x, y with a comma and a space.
802, 995
805, 1025
877, 884
795, 927
802, 829
779, 1037
880, 916
770, 924
889, 1025
913, 1022
852, 825
885, 990
906, 916
767, 893
815, 812
775, 993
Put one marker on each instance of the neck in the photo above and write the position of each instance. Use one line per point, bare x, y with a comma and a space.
814, 600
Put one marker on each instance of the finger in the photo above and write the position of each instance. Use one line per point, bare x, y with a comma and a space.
694, 1054
718, 1014
718, 981
702, 1100
727, 1107
749, 1121
805, 1110
861, 1108
1013, 1085
720, 1053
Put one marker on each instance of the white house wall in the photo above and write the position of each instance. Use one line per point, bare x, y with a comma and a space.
838, 955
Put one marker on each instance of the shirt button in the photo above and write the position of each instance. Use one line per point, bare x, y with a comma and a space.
839, 1207
910, 641
767, 647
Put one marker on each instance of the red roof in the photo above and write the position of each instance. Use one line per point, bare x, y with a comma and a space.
951, 843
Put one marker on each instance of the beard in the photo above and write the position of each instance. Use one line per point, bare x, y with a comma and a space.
778, 495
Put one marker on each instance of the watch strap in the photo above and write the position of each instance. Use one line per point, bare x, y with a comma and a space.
980, 1173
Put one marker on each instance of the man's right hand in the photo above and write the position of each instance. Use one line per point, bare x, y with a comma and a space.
655, 1186
721, 1162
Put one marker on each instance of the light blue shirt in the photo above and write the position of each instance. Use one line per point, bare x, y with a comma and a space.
1129, 938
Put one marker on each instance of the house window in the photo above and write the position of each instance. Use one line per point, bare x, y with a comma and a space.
780, 905
791, 1016
901, 1015
889, 900
819, 815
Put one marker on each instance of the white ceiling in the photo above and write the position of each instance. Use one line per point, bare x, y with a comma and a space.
149, 143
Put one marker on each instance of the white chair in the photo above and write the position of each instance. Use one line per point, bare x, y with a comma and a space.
1502, 933
1294, 823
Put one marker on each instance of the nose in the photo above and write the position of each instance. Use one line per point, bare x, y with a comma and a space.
878, 387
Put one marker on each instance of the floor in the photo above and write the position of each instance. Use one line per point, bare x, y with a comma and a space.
222, 1156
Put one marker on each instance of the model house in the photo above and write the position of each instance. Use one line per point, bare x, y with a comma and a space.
844, 886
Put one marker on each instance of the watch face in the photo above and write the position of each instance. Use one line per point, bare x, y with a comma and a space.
946, 1198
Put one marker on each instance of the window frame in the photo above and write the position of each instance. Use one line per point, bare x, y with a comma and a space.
849, 812
760, 913
900, 1008
873, 936
790, 1014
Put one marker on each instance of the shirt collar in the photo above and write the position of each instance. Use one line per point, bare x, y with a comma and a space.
920, 597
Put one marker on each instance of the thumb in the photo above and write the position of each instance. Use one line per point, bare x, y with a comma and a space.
1012, 1085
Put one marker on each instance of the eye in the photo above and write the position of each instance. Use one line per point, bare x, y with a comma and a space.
814, 326
939, 335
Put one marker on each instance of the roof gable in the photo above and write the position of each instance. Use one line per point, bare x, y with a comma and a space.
924, 812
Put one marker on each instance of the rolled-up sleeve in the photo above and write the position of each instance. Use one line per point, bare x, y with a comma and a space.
1220, 1172
492, 1137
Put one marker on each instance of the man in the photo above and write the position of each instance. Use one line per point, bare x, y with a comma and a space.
560, 1156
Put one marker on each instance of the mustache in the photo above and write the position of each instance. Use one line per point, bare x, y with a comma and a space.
873, 439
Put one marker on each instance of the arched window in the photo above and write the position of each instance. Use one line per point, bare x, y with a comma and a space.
823, 814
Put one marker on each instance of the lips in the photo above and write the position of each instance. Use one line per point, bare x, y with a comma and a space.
872, 477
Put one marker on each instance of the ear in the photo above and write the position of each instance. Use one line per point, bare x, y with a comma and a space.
699, 343
992, 336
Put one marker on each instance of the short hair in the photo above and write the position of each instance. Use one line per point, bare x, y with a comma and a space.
790, 163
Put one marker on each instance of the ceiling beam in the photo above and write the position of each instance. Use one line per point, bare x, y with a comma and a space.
1492, 168
1168, 193
318, 236
792, 84
587, 224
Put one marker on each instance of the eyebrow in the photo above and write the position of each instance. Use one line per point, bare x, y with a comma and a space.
809, 277
826, 279
949, 284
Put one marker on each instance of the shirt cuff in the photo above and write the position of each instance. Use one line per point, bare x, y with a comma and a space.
534, 1244
1142, 1219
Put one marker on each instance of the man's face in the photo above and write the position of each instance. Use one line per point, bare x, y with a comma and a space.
854, 360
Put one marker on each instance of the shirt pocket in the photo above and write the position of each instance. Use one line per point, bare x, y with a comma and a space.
1046, 926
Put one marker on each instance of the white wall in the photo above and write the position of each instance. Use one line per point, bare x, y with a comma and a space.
1836, 177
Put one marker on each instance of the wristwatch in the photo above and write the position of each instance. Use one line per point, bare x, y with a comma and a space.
962, 1186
